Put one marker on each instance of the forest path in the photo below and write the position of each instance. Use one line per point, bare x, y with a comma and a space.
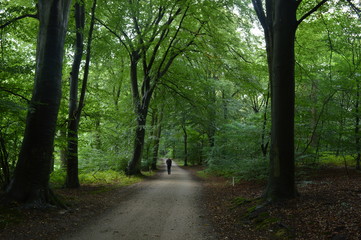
166, 208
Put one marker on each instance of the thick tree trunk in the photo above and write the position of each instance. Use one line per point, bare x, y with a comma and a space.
281, 183
134, 165
141, 105
31, 177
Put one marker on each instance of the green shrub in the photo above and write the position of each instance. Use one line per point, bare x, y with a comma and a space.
247, 169
330, 158
57, 178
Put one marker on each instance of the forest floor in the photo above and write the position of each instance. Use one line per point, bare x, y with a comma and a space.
329, 207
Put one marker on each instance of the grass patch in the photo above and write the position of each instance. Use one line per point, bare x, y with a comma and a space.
203, 174
108, 177
338, 161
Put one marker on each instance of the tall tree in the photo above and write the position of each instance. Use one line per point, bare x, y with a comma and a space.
153, 38
75, 106
280, 23
31, 178
72, 180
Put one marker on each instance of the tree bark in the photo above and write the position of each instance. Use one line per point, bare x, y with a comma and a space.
4, 164
264, 142
72, 180
280, 24
134, 166
281, 184
185, 142
156, 135
357, 125
75, 108
31, 177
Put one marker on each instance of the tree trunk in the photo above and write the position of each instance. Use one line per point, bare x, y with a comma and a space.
63, 148
72, 180
185, 141
75, 109
141, 105
281, 184
31, 177
157, 134
357, 125
134, 166
4, 164
264, 143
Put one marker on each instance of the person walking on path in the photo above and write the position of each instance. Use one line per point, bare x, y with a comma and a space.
169, 164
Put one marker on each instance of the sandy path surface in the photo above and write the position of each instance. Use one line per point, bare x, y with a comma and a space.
166, 208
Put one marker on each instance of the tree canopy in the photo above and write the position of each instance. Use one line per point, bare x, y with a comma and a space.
200, 81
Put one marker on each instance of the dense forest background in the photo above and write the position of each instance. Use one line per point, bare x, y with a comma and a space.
187, 80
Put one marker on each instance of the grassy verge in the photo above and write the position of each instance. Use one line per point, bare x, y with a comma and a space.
108, 177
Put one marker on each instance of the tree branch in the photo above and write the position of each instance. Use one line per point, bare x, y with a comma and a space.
311, 11
163, 35
356, 9
18, 18
178, 92
15, 94
116, 35
87, 59
257, 5
231, 49
161, 73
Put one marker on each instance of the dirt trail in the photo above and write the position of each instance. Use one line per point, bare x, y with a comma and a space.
167, 208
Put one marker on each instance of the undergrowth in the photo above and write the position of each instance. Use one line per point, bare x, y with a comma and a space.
57, 178
246, 169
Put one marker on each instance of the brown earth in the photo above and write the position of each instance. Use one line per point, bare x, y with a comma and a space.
329, 207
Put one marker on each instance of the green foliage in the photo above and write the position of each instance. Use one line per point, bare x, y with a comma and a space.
247, 169
92, 159
110, 177
328, 158
214, 93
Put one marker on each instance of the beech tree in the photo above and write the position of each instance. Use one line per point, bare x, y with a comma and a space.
75, 104
154, 36
280, 23
30, 183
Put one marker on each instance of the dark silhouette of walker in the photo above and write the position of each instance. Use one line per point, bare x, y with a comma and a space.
169, 164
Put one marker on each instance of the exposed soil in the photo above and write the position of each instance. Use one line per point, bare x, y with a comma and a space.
329, 207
